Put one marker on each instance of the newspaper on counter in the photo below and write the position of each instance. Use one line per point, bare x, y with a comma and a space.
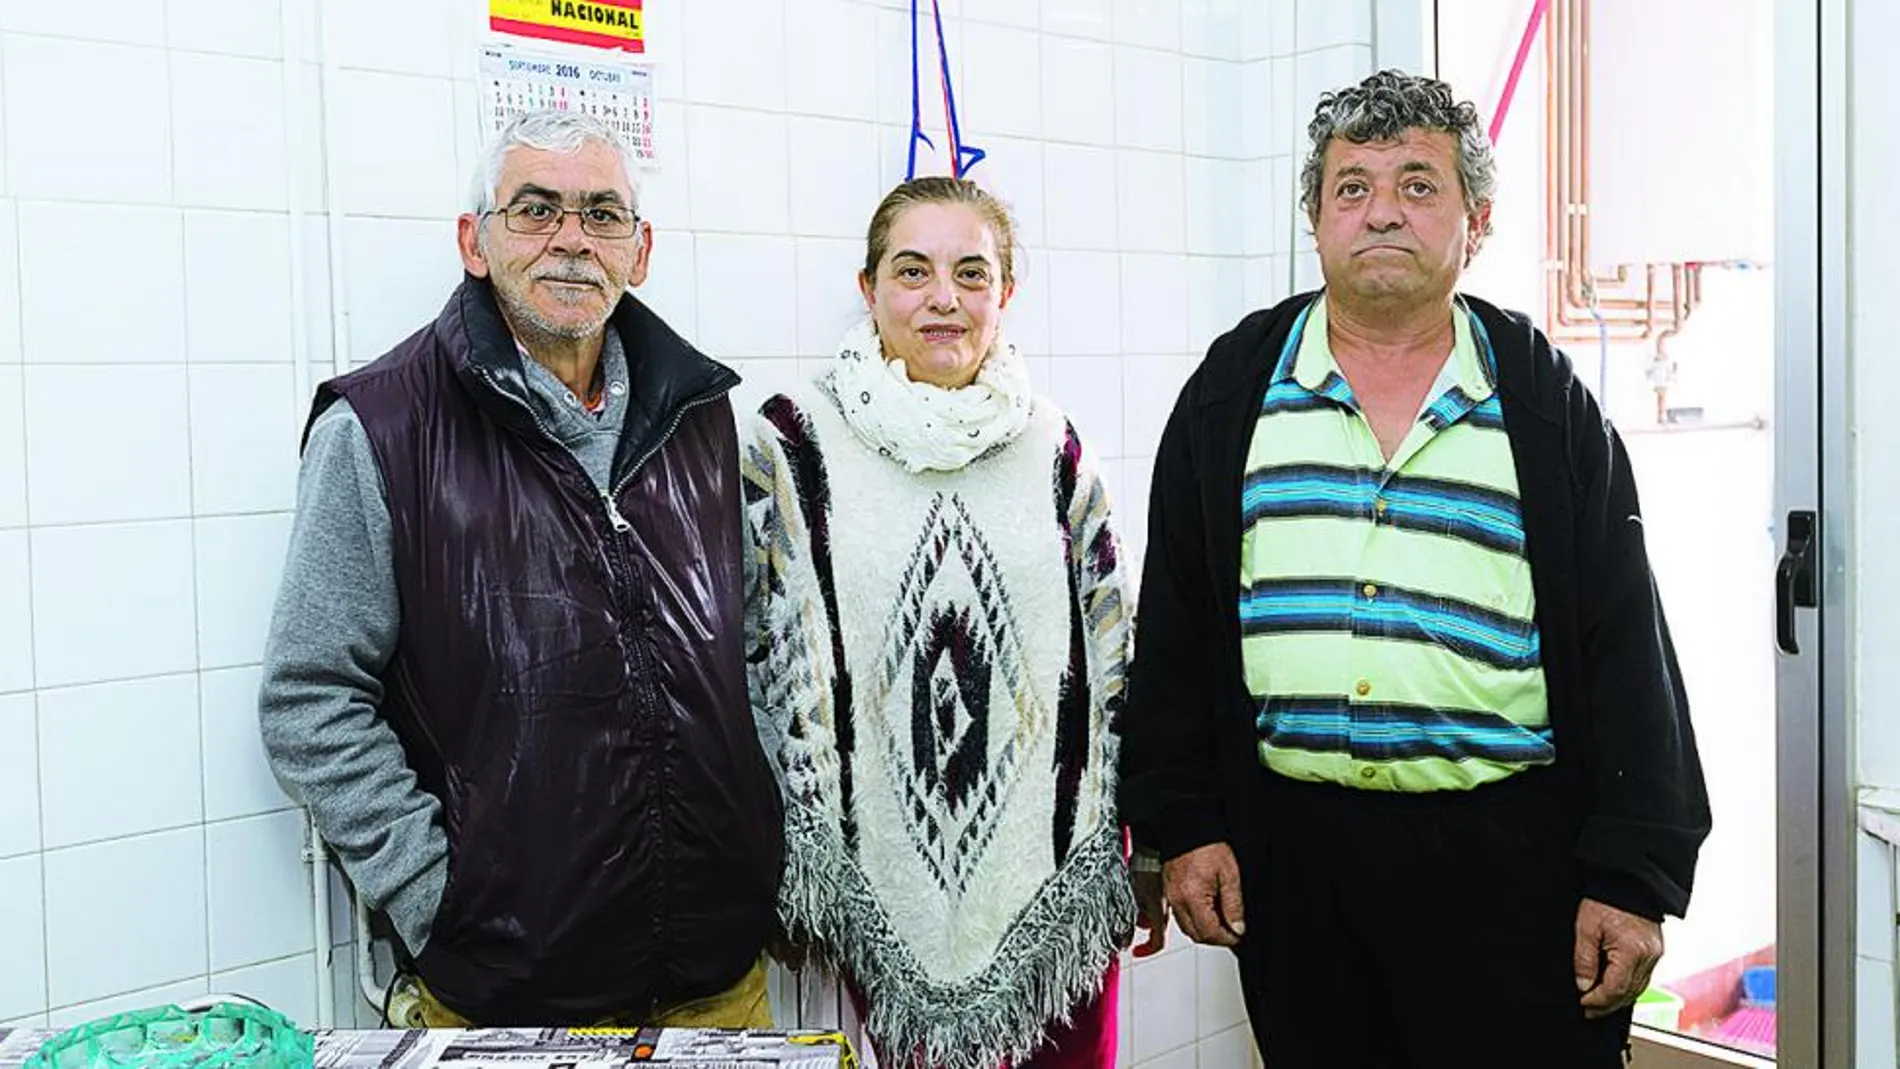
543, 1048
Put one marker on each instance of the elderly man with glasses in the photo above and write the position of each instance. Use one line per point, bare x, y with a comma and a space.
505, 669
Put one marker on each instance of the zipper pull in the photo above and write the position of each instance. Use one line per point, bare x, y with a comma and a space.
613, 513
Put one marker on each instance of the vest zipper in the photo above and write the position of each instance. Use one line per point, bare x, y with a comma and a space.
607, 496
613, 513
679, 416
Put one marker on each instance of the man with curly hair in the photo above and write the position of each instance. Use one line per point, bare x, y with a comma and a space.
1420, 704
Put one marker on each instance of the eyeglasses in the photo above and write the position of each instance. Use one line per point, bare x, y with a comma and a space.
539, 217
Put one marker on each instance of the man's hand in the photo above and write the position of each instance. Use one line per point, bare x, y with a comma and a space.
1203, 887
1615, 953
1151, 910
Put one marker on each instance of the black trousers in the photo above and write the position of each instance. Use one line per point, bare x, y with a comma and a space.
1406, 931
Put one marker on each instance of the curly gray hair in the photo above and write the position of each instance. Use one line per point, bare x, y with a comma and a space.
1382, 108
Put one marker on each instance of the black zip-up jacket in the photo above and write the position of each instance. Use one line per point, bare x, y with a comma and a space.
569, 676
1625, 748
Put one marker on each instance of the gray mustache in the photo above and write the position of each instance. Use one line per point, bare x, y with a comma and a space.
592, 278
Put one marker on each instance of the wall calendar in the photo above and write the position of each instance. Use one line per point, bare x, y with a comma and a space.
620, 94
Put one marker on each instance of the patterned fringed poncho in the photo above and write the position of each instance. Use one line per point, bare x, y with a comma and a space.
937, 660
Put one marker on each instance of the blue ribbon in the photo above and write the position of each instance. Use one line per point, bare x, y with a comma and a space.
962, 157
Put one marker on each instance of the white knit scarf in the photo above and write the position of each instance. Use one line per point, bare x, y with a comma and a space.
921, 426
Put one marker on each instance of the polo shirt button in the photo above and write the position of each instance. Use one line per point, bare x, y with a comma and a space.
1370, 591
1363, 688
1368, 772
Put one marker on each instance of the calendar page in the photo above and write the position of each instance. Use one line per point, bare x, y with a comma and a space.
620, 94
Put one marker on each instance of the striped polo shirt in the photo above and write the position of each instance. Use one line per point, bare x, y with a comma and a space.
1386, 610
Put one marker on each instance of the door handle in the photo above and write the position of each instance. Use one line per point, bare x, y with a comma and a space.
1794, 579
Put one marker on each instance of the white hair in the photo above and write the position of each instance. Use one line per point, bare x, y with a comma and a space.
549, 131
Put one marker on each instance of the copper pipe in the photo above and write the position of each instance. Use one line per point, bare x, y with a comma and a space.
1581, 302
1570, 285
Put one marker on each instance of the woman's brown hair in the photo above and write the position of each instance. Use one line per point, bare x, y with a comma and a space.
940, 190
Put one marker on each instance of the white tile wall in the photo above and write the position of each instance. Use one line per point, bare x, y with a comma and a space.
1013, 171
1091, 389
1215, 205
838, 90
1004, 83
1149, 23
228, 131
19, 776
1257, 91
1155, 313
666, 190
834, 174
1148, 99
1231, 1049
97, 740
287, 985
254, 28
16, 612
1086, 213
1029, 309
1333, 24
12, 447
238, 780
761, 380
102, 940
237, 561
147, 446
237, 288
1213, 106
1212, 28
748, 302
1084, 302
372, 150
1216, 286
107, 442
129, 21
1286, 131
397, 275
125, 154
112, 601
66, 323
1153, 383
671, 288
402, 38
1024, 13
1261, 213
829, 300
1218, 1002
9, 283
257, 889
1078, 91
730, 198
893, 65
735, 54
23, 928
244, 458
1150, 188
1078, 18
1164, 992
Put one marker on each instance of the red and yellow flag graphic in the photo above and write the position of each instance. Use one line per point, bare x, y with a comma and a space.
601, 23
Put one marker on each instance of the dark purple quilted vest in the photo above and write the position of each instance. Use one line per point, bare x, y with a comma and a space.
569, 677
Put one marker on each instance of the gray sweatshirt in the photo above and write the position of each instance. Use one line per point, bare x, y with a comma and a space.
334, 630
